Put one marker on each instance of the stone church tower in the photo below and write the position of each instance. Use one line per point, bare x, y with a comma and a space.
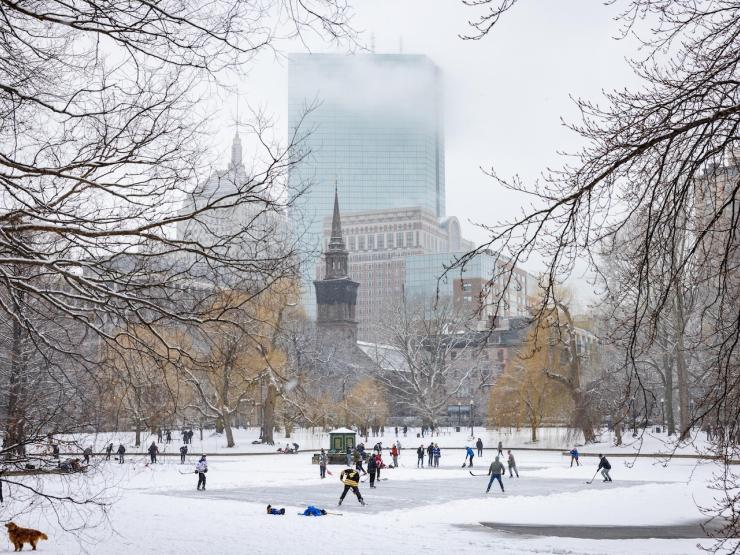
336, 294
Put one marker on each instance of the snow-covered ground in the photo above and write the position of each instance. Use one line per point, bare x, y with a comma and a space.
157, 509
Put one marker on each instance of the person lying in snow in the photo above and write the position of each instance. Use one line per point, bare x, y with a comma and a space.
273, 511
313, 511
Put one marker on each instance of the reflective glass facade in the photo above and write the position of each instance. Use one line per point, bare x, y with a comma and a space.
370, 123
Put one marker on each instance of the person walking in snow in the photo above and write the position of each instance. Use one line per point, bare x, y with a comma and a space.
86, 454
430, 455
350, 478
605, 467
183, 452
108, 451
574, 457
436, 453
479, 446
121, 452
153, 450
512, 465
469, 454
372, 468
394, 456
495, 471
420, 456
500, 449
168, 436
323, 459
405, 429
201, 468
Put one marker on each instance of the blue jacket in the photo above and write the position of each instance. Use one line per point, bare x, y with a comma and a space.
437, 452
313, 511
574, 453
469, 452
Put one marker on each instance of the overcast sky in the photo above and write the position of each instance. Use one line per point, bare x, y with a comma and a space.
504, 95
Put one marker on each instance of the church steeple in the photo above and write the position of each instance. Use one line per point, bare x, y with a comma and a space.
336, 294
336, 242
336, 255
236, 151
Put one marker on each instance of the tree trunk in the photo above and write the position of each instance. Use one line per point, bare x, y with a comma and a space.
137, 441
681, 370
16, 420
582, 416
534, 433
226, 419
268, 424
670, 421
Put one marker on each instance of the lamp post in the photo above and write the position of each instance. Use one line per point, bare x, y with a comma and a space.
459, 412
634, 417
662, 412
472, 406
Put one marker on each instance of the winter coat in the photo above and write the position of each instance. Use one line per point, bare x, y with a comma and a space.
574, 453
500, 446
394, 451
469, 452
437, 452
512, 462
350, 477
420, 452
479, 444
313, 511
201, 467
603, 463
372, 464
153, 450
430, 450
323, 459
356, 457
496, 468
121, 449
184, 450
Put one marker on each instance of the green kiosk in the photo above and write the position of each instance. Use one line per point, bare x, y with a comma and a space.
340, 440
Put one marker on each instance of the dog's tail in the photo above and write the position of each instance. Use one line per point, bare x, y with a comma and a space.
43, 536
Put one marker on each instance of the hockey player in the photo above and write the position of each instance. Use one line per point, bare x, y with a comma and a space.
495, 471
350, 478
605, 467
201, 468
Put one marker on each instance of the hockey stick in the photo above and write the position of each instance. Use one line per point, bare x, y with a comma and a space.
186, 473
592, 479
471, 473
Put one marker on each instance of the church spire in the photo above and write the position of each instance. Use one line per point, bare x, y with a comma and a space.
236, 151
336, 242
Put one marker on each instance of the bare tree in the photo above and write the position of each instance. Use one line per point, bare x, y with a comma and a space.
662, 160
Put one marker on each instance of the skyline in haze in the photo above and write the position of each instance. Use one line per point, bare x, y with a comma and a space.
503, 97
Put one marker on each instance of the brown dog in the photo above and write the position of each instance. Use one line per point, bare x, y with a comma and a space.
18, 536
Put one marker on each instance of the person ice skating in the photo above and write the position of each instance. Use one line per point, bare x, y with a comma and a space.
273, 511
86, 454
500, 449
201, 468
469, 454
605, 467
574, 457
378, 464
479, 446
168, 437
121, 452
108, 451
357, 458
153, 450
420, 456
512, 465
436, 453
394, 456
350, 478
396, 431
430, 455
495, 471
405, 429
159, 435
372, 468
323, 459
183, 452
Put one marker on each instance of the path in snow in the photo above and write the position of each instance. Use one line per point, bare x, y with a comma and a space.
398, 493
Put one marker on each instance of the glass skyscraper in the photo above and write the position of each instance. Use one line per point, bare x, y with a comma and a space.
372, 125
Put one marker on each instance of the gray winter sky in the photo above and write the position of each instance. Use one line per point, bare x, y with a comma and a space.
505, 95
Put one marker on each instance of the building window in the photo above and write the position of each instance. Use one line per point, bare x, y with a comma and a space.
381, 241
361, 240
467, 286
468, 298
352, 243
370, 242
389, 238
399, 240
409, 238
